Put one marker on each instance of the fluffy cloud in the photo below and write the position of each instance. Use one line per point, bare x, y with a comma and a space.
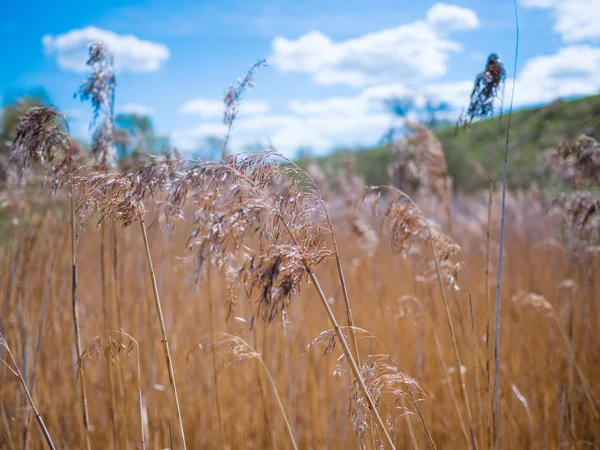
410, 51
362, 118
574, 20
131, 53
210, 108
572, 71
324, 124
136, 108
371, 100
446, 18
288, 132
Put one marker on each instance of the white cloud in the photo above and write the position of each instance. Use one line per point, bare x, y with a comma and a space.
324, 124
572, 71
445, 17
410, 51
371, 100
362, 118
288, 132
210, 108
131, 53
136, 108
574, 20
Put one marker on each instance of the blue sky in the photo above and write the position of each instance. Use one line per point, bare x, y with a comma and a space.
330, 63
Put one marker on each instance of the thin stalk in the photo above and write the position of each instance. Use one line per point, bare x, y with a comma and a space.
11, 279
338, 263
488, 388
38, 346
139, 388
461, 378
105, 313
348, 353
263, 394
342, 339
162, 328
475, 360
258, 357
80, 374
344, 290
501, 246
15, 370
573, 360
279, 404
8, 436
411, 431
20, 297
139, 382
334, 323
448, 189
447, 376
410, 393
116, 312
214, 355
115, 276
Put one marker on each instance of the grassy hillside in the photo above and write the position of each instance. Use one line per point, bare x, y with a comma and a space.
469, 153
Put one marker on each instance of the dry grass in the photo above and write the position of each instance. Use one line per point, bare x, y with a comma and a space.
549, 351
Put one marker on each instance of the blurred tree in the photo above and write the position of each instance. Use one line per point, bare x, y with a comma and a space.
15, 105
210, 149
430, 114
399, 107
433, 111
136, 136
304, 152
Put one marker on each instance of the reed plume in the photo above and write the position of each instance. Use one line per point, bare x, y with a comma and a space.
406, 224
42, 138
119, 197
485, 90
99, 89
231, 101
259, 201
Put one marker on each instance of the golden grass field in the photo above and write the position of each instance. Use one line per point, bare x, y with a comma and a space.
544, 395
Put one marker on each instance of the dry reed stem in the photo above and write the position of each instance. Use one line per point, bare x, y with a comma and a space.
80, 373
488, 235
106, 326
525, 404
7, 437
342, 339
162, 327
38, 345
257, 185
17, 372
259, 377
238, 350
348, 353
446, 307
337, 256
211, 327
475, 350
501, 245
396, 375
112, 351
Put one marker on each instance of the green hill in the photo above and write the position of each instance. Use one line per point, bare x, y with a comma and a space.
469, 153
